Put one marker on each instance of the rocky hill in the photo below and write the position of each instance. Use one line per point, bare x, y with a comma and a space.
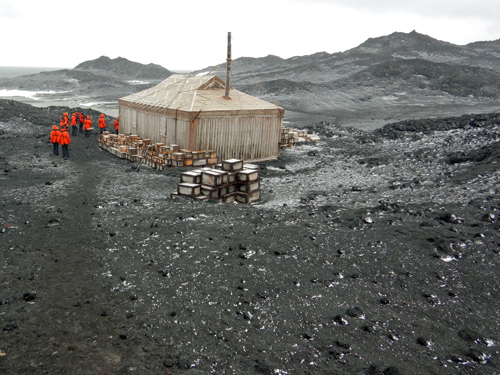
386, 79
102, 79
390, 78
124, 69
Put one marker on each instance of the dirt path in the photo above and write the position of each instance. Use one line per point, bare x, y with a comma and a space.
61, 261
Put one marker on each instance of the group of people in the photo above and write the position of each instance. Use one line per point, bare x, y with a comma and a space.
61, 136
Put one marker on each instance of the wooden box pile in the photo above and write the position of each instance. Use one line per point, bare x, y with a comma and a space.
230, 181
290, 136
156, 155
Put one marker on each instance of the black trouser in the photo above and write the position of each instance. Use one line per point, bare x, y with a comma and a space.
74, 129
56, 148
116, 131
81, 127
87, 133
102, 129
65, 151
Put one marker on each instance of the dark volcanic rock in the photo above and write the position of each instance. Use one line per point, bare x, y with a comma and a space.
375, 255
4, 300
29, 296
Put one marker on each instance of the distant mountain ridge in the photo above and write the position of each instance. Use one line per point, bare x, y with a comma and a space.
388, 78
124, 68
400, 72
102, 79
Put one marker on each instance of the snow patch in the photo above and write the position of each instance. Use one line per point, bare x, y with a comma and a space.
26, 93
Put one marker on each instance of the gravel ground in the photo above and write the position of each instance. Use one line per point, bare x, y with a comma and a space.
369, 253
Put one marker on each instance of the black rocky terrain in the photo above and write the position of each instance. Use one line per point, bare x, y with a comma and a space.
370, 253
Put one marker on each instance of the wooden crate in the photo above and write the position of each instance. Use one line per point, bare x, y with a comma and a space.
313, 138
178, 156
248, 175
224, 174
232, 165
229, 198
209, 191
192, 177
199, 162
223, 190
231, 177
198, 154
211, 178
158, 146
249, 187
188, 154
248, 197
188, 189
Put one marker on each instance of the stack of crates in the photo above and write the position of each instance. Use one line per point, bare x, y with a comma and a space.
155, 155
290, 136
231, 181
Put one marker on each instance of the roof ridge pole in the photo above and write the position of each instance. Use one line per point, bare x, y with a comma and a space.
228, 66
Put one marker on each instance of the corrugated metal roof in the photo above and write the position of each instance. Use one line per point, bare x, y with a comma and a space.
195, 94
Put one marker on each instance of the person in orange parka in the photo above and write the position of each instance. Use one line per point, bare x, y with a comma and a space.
65, 141
102, 123
117, 124
73, 124
64, 122
54, 138
81, 120
87, 125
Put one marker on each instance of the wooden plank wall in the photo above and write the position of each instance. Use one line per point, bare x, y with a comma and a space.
155, 127
235, 137
128, 120
245, 138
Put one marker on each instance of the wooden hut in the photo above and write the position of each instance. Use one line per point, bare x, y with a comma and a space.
195, 113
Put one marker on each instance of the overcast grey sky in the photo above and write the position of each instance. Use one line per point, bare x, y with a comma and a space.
192, 34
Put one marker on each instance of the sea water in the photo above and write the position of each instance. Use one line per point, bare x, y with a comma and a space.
16, 71
43, 98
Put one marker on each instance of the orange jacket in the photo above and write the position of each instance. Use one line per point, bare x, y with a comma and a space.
117, 124
64, 122
55, 135
87, 124
102, 122
65, 139
73, 120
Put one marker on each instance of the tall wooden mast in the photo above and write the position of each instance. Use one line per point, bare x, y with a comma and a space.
228, 66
